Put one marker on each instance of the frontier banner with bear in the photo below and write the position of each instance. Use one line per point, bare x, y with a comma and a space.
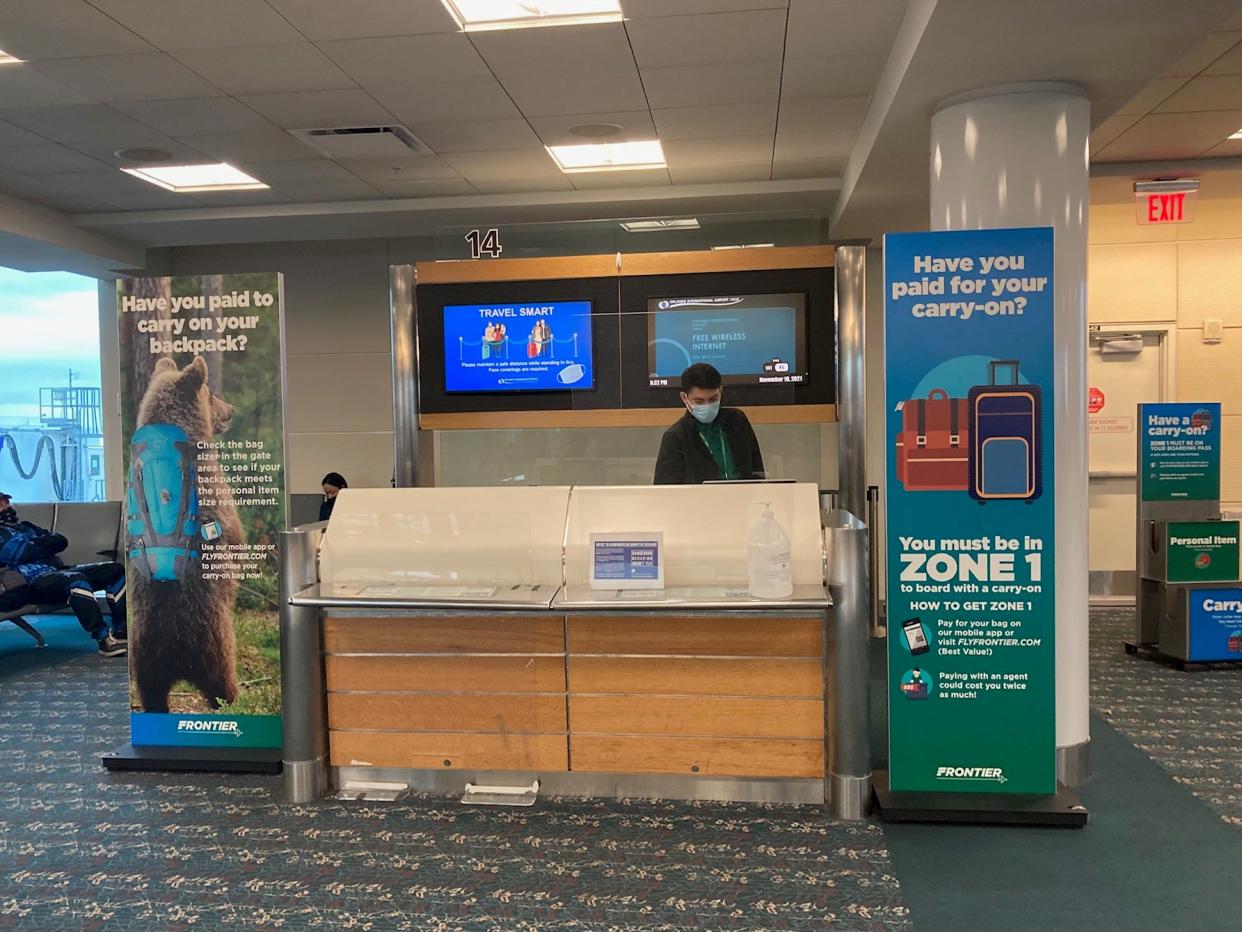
202, 408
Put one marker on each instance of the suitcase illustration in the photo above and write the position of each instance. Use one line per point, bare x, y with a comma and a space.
1004, 425
932, 445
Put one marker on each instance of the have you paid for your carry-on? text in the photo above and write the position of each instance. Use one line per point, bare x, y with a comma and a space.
987, 276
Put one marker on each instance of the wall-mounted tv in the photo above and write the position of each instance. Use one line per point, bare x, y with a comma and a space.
753, 339
519, 347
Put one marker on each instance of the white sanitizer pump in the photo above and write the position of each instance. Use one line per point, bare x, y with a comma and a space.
768, 558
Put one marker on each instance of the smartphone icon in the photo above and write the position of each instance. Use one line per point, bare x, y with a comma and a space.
916, 636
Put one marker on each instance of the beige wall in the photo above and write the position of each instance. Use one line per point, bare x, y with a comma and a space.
1180, 275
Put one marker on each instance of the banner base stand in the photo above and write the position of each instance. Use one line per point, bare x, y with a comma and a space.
1062, 810
197, 760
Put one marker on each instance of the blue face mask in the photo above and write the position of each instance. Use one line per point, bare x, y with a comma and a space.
705, 414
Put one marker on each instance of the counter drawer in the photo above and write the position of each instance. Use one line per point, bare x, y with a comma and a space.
448, 750
514, 634
697, 676
736, 757
704, 716
499, 713
696, 635
450, 673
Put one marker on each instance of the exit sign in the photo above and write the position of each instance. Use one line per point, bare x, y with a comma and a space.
1165, 201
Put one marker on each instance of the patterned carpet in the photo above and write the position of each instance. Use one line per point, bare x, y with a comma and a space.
82, 849
1184, 720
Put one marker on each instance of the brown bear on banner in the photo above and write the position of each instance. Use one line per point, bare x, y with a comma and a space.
182, 627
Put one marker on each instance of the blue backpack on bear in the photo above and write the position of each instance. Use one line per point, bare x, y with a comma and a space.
162, 503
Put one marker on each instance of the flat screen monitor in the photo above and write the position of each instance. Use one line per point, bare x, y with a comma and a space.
753, 339
519, 347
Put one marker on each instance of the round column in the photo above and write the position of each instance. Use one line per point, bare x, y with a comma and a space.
1017, 156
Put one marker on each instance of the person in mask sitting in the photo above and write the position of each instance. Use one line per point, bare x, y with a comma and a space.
708, 442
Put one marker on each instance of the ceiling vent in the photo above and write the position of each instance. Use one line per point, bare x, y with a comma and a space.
363, 142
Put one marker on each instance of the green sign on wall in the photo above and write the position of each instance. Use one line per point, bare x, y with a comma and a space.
1179, 452
1201, 551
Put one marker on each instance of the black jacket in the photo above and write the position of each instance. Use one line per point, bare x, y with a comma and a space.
685, 460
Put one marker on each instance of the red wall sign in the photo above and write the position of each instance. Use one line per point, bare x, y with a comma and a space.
1095, 400
1171, 207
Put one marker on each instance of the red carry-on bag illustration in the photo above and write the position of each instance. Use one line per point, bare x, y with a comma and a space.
1005, 455
932, 445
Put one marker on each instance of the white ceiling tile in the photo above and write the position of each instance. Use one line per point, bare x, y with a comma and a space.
39, 29
472, 99
24, 87
478, 136
713, 122
1164, 136
195, 24
602, 181
198, 116
1231, 61
270, 69
707, 85
1111, 128
106, 151
393, 59
678, 41
110, 78
789, 168
428, 187
830, 76
554, 130
76, 203
316, 110
1152, 96
825, 143
544, 95
716, 174
81, 123
317, 179
257, 198
565, 50
415, 168
29, 187
817, 28
503, 184
699, 153
13, 135
126, 191
353, 19
1218, 92
46, 158
1211, 48
819, 114
511, 163
251, 147
644, 9
1230, 148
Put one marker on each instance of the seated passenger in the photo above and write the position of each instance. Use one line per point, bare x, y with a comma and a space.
333, 482
33, 552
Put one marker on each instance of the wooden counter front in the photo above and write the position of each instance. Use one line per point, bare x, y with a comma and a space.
719, 695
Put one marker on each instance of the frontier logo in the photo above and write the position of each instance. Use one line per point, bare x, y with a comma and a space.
987, 774
212, 726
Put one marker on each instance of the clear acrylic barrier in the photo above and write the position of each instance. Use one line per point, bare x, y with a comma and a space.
705, 528
426, 543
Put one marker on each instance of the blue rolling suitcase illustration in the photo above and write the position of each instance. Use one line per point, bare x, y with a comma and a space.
1004, 454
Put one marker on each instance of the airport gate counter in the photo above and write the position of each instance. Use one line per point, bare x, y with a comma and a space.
454, 636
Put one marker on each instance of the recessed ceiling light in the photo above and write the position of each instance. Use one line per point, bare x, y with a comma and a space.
650, 226
608, 156
596, 130
746, 246
7, 59
185, 179
143, 154
478, 15
1237, 135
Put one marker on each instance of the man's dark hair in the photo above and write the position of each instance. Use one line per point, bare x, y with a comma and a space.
335, 479
700, 375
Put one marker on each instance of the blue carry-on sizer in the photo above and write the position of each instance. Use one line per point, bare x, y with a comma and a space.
1005, 459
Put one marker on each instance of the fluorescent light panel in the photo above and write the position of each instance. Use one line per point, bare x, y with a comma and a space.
479, 15
185, 179
7, 59
608, 156
1237, 135
651, 226
746, 246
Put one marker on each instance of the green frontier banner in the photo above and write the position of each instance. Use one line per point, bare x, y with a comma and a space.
202, 405
1179, 452
969, 378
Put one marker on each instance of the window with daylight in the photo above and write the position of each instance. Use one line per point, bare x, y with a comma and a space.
51, 436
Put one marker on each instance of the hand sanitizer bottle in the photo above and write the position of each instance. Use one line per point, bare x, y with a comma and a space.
768, 559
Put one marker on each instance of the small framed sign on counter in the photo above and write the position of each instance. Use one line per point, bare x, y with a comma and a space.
627, 560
